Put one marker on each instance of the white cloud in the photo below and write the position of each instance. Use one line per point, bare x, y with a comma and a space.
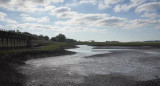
151, 15
43, 19
80, 2
94, 20
63, 12
76, 19
28, 5
142, 23
112, 21
148, 7
1, 27
79, 19
28, 18
3, 18
149, 10
97, 20
103, 4
30, 8
124, 7
103, 20
112, 1
83, 19
87, 2
128, 6
35, 26
57, 1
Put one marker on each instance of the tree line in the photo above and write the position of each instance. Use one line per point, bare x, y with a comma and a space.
58, 38
62, 38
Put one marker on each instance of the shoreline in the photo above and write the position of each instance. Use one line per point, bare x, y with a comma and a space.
48, 77
10, 76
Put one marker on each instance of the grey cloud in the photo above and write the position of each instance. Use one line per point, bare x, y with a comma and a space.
4, 1
148, 7
27, 5
61, 9
112, 21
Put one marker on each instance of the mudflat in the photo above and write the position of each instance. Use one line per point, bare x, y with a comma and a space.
96, 67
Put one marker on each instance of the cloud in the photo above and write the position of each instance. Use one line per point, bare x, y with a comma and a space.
1, 27
63, 12
142, 23
124, 7
28, 18
67, 18
87, 2
151, 15
35, 26
80, 2
149, 10
103, 4
91, 21
28, 5
79, 19
148, 7
3, 18
98, 20
83, 19
112, 21
103, 20
127, 6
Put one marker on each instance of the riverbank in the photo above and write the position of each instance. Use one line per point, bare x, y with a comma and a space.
121, 67
13, 58
10, 59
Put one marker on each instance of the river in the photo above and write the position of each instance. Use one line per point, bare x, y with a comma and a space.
94, 67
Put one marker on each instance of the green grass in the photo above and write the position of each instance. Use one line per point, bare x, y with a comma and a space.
46, 47
155, 44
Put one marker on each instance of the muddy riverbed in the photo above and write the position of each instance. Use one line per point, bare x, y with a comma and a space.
94, 67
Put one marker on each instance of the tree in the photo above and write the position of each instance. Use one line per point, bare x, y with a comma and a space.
46, 37
61, 38
70, 40
40, 36
53, 39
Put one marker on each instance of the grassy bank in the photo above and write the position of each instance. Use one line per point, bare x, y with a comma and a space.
153, 44
10, 59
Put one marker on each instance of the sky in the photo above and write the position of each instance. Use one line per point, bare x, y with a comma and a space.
99, 20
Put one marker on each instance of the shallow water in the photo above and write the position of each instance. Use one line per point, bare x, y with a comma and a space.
139, 64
